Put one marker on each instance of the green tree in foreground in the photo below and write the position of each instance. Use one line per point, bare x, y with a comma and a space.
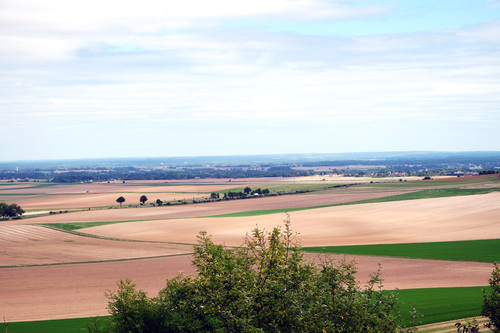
143, 199
265, 286
120, 200
491, 300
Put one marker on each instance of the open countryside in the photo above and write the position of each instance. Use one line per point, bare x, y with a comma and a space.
76, 239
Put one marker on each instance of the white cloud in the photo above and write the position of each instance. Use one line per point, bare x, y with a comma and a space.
163, 70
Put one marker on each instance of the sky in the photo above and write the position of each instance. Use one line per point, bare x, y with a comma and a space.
108, 78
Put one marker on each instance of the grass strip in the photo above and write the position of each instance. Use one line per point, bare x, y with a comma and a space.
435, 182
424, 194
82, 225
440, 304
100, 261
19, 194
74, 325
485, 250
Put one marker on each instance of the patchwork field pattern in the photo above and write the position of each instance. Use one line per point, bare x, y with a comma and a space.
51, 274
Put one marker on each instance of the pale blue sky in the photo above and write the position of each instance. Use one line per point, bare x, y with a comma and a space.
92, 78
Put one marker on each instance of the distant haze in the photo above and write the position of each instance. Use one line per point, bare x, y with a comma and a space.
489, 159
94, 79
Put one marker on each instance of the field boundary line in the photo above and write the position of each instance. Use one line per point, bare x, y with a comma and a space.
98, 261
83, 234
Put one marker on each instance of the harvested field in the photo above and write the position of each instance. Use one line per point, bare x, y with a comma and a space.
77, 290
59, 289
101, 194
425, 220
79, 201
35, 245
213, 208
72, 291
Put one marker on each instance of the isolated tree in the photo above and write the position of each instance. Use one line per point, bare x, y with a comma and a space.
11, 210
264, 286
120, 200
143, 199
247, 190
491, 300
159, 202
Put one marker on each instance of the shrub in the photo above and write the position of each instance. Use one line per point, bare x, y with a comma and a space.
491, 300
265, 286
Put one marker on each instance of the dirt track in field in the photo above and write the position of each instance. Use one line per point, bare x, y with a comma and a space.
60, 290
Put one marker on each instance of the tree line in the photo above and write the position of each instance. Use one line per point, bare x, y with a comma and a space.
140, 174
214, 196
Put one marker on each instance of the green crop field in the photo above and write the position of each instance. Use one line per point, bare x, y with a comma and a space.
53, 326
440, 304
487, 250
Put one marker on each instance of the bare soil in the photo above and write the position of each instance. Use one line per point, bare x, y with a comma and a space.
424, 220
73, 291
36, 245
213, 208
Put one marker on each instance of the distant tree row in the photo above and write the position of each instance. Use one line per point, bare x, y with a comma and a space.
141, 174
11, 210
247, 192
488, 172
142, 200
376, 168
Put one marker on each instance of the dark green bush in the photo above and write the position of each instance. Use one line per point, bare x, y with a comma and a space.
491, 301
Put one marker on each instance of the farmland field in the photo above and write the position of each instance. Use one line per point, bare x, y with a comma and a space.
50, 273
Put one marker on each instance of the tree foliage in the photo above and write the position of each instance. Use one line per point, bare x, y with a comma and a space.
491, 300
120, 200
11, 210
143, 199
265, 286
